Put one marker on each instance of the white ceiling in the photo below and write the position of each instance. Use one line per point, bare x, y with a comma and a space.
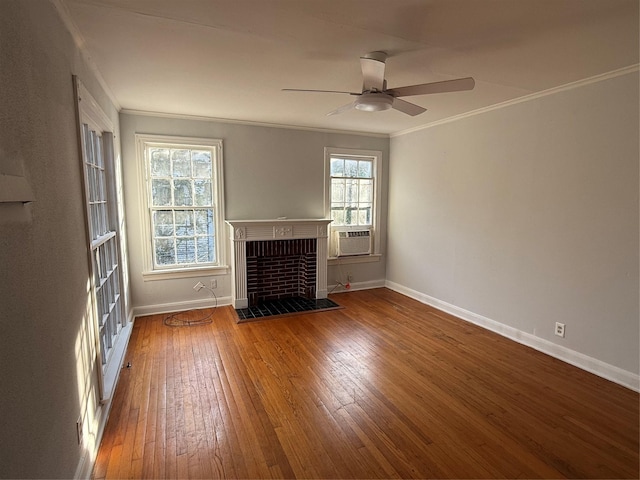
229, 59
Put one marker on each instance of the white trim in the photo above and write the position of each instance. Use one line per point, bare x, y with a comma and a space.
149, 273
377, 179
551, 91
182, 273
241, 231
526, 98
116, 360
200, 118
336, 288
80, 43
348, 260
577, 359
180, 306
91, 112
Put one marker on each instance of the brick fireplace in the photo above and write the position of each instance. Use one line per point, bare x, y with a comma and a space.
278, 269
275, 259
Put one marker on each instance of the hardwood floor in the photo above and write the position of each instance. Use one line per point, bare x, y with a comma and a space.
383, 388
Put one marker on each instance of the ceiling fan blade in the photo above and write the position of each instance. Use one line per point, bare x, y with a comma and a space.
342, 109
317, 91
408, 108
457, 85
372, 65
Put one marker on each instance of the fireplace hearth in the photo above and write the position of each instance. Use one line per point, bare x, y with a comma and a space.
285, 307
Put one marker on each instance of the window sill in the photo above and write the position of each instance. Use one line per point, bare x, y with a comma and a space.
185, 273
375, 257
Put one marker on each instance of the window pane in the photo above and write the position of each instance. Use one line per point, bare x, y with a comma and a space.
186, 250
184, 222
182, 193
163, 223
204, 222
351, 168
201, 163
351, 191
337, 167
365, 169
206, 249
203, 194
337, 190
365, 193
364, 214
337, 215
160, 164
351, 215
181, 163
165, 254
97, 149
160, 192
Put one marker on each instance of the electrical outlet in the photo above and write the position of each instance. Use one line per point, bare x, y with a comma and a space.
349, 277
560, 329
214, 283
198, 286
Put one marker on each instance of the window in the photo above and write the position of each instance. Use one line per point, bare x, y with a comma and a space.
183, 201
352, 190
103, 235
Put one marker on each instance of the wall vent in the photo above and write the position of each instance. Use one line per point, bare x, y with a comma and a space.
352, 242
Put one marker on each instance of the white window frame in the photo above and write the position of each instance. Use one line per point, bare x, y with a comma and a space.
356, 154
108, 310
150, 271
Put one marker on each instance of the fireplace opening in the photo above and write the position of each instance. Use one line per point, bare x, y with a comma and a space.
280, 269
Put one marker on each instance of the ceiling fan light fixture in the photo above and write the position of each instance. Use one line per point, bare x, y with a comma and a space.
376, 97
374, 102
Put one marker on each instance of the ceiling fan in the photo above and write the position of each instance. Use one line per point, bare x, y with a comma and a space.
376, 97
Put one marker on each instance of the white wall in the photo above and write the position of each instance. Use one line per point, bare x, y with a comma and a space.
268, 173
47, 379
526, 216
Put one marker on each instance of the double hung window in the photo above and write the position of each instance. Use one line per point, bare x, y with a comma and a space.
352, 191
183, 202
352, 188
101, 182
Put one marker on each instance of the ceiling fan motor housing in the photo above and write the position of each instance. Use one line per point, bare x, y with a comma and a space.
374, 102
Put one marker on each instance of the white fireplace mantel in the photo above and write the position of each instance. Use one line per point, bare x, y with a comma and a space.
242, 231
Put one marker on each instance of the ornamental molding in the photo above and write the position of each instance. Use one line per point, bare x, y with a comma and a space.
285, 231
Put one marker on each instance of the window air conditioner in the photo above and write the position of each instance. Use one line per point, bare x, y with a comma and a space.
352, 242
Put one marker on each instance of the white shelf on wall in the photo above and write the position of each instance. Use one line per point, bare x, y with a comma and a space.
15, 189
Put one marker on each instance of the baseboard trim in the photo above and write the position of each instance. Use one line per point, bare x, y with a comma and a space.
577, 359
180, 306
336, 288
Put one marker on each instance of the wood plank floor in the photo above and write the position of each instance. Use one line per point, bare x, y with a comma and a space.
383, 388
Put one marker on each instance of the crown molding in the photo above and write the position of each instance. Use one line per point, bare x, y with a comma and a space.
200, 118
78, 39
526, 98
